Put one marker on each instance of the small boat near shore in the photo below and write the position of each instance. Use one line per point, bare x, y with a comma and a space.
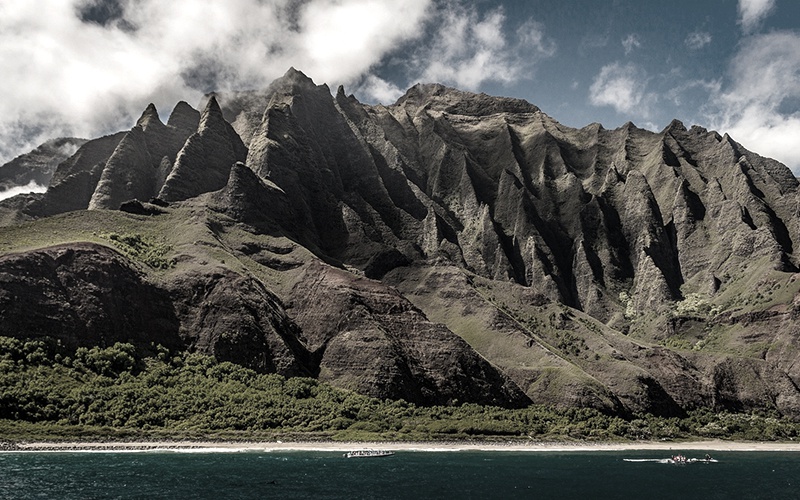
368, 454
675, 459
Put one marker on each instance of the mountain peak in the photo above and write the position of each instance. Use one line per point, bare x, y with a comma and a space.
438, 97
212, 114
184, 116
674, 126
149, 117
294, 74
294, 79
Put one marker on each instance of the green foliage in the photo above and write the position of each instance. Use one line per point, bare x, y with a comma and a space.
118, 392
108, 361
152, 253
695, 304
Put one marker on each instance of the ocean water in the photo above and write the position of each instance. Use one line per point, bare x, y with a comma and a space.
406, 475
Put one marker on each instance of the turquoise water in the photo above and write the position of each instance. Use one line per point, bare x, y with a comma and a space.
412, 475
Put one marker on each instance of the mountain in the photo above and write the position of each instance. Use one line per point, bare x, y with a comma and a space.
452, 247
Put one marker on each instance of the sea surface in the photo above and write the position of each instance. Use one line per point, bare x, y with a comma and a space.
406, 475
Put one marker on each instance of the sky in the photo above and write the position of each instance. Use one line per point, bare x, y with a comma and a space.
86, 68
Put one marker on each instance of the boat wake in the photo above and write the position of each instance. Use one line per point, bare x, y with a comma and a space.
656, 460
679, 459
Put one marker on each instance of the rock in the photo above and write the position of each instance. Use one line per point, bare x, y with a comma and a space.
263, 205
84, 295
89, 295
138, 208
370, 339
129, 173
235, 318
139, 164
184, 117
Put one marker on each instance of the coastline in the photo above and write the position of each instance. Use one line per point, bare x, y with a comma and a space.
453, 446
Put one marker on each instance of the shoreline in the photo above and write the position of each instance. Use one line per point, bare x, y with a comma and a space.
452, 446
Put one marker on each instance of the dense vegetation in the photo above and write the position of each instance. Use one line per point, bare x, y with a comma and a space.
119, 392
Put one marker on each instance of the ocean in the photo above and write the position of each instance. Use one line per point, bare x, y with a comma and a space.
406, 475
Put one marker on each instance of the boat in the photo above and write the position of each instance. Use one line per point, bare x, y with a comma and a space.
675, 459
368, 453
678, 459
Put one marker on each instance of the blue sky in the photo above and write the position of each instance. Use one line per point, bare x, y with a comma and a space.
89, 67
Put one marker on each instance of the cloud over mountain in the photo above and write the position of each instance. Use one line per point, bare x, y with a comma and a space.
759, 103
88, 66
621, 86
81, 68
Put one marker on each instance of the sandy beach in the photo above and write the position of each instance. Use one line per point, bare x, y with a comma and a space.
231, 447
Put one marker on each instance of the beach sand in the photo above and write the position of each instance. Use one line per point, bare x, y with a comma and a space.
333, 446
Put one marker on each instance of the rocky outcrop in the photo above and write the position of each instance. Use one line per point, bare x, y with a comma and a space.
87, 295
235, 318
106, 172
369, 338
259, 203
184, 117
75, 179
84, 295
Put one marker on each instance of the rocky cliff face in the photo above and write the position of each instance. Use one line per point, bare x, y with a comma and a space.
458, 247
86, 294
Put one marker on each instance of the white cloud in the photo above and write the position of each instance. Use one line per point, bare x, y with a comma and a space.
677, 94
378, 90
623, 87
31, 187
631, 42
343, 39
64, 76
532, 37
468, 49
591, 43
697, 40
752, 12
759, 106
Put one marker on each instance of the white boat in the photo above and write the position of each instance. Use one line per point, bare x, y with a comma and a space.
675, 459
368, 453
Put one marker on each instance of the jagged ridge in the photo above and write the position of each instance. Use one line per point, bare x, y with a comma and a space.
610, 268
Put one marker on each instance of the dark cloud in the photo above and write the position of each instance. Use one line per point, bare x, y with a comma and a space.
105, 13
